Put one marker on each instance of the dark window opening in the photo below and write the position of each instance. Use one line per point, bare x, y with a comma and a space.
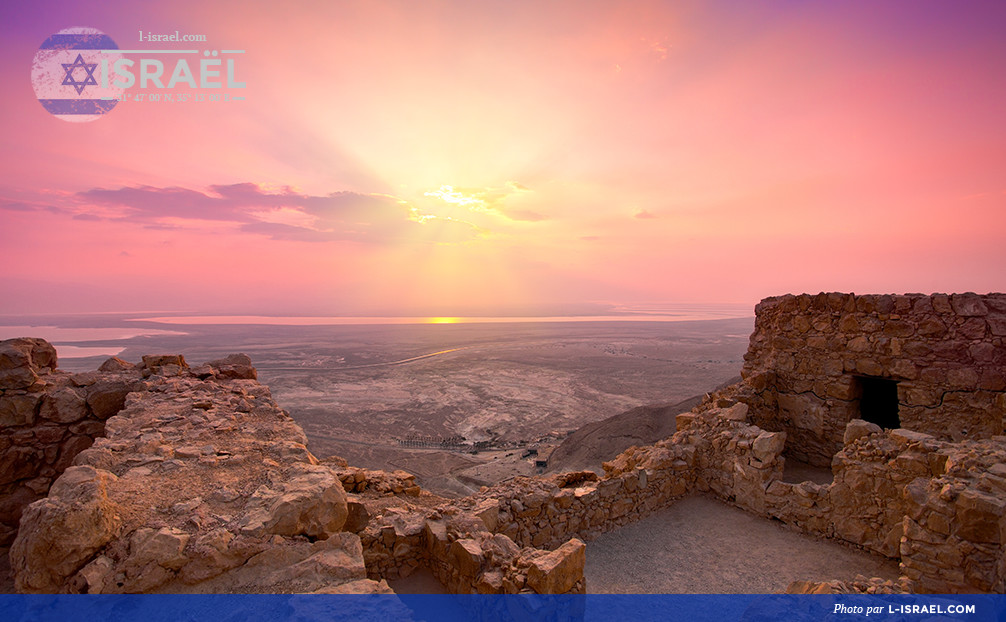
879, 402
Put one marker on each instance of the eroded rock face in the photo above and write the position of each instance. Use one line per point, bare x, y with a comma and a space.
46, 418
201, 483
61, 533
23, 360
310, 501
194, 479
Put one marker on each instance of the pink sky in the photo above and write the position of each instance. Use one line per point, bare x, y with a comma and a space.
458, 158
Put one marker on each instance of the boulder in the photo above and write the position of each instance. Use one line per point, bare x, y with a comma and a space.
108, 397
115, 364
488, 511
61, 533
858, 428
310, 501
768, 445
234, 366
558, 571
18, 410
23, 359
467, 556
65, 405
737, 412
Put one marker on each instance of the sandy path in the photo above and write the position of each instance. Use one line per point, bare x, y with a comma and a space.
700, 545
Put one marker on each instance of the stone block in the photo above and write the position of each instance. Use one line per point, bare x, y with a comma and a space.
61, 532
737, 412
968, 305
467, 557
978, 516
903, 437
767, 446
18, 410
558, 571
857, 428
684, 421
108, 397
997, 325
869, 366
234, 366
64, 405
488, 512
357, 515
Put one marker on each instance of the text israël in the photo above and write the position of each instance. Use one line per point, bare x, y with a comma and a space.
152, 70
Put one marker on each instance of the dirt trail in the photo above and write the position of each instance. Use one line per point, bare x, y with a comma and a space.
700, 545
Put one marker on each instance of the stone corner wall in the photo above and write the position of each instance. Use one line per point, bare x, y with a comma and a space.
946, 353
47, 417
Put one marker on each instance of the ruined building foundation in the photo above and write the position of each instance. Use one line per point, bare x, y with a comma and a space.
197, 481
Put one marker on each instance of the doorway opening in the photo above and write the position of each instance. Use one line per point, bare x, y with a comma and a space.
878, 402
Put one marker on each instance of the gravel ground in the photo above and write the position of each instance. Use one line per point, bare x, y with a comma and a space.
700, 545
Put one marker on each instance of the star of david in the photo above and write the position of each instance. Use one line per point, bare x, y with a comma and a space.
69, 80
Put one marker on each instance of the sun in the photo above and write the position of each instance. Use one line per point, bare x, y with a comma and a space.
442, 320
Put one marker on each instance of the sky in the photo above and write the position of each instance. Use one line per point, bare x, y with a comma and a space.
499, 158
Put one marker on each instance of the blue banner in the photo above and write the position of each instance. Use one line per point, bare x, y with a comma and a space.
516, 608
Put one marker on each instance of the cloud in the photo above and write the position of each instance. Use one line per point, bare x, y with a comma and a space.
488, 199
17, 206
645, 215
28, 206
281, 214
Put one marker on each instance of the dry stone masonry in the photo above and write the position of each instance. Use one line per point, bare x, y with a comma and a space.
201, 483
197, 481
46, 419
933, 364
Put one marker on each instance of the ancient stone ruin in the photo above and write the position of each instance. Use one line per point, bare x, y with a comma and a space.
933, 364
161, 477
200, 482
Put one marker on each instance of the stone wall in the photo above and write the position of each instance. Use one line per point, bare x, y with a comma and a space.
547, 512
467, 557
955, 523
47, 417
809, 353
939, 507
201, 483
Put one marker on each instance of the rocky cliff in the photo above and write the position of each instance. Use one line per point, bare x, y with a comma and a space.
201, 483
47, 418
161, 477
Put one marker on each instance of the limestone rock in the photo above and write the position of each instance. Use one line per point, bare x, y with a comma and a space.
488, 512
857, 428
556, 572
737, 412
59, 534
65, 405
357, 517
234, 366
107, 397
768, 445
467, 556
18, 410
115, 364
310, 501
23, 359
